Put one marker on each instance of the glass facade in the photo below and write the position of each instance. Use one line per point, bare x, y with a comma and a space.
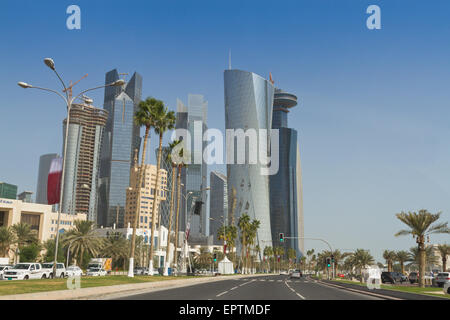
218, 203
120, 140
248, 104
8, 191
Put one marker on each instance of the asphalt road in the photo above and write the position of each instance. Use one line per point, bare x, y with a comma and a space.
273, 287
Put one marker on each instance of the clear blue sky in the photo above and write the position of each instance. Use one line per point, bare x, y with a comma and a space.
374, 110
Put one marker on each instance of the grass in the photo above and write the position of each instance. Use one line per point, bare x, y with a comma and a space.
42, 285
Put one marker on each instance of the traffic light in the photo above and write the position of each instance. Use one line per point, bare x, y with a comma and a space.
281, 237
332, 258
215, 257
198, 207
328, 262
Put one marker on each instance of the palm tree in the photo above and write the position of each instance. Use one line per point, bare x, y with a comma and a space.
83, 239
7, 239
402, 257
172, 145
163, 120
309, 254
268, 252
116, 247
361, 259
24, 234
421, 226
143, 117
444, 250
244, 226
390, 257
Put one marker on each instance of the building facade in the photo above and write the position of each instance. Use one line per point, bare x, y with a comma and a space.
218, 205
286, 202
193, 118
146, 199
25, 196
83, 159
120, 140
44, 168
8, 191
248, 105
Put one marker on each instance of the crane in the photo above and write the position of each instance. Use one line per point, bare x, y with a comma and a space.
71, 85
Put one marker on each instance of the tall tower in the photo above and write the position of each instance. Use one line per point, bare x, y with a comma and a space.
83, 158
248, 105
120, 139
286, 202
218, 204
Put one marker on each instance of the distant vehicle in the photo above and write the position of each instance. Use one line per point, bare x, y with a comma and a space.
100, 263
3, 268
95, 272
25, 271
341, 275
393, 277
74, 271
296, 274
47, 268
413, 277
442, 278
139, 271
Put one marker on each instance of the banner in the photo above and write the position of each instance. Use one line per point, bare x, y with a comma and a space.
54, 181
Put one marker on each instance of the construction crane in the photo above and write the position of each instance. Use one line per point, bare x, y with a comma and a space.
71, 85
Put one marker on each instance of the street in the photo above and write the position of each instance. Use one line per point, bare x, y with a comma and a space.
273, 287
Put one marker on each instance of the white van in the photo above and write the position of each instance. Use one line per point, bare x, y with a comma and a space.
24, 271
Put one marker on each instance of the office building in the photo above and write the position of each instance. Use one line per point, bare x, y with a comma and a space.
218, 205
44, 168
120, 140
8, 191
286, 201
83, 158
25, 196
248, 105
194, 175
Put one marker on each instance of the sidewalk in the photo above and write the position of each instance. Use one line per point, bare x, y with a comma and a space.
123, 289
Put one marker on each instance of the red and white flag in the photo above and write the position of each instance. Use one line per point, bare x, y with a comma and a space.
188, 229
54, 181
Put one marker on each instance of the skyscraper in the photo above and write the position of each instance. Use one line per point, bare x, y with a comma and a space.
248, 105
120, 139
218, 204
286, 202
83, 158
193, 176
44, 167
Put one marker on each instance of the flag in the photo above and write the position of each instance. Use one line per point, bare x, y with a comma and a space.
188, 228
54, 181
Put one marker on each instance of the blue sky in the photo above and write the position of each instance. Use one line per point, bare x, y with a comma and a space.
374, 110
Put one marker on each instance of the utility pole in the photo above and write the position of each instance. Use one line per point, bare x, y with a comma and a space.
117, 216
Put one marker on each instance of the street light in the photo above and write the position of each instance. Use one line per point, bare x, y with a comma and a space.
51, 64
224, 234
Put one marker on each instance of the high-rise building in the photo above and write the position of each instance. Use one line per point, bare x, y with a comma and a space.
165, 205
120, 140
194, 176
44, 168
248, 105
84, 139
25, 196
286, 202
218, 205
8, 191
146, 198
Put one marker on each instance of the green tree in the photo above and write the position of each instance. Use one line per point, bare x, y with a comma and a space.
49, 246
414, 257
7, 239
29, 253
268, 252
244, 227
421, 226
361, 259
390, 257
444, 250
83, 239
116, 247
402, 257
24, 234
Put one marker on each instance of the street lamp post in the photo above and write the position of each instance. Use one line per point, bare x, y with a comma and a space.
69, 101
224, 233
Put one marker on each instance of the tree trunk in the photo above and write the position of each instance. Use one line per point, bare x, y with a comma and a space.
422, 264
141, 171
172, 198
174, 262
444, 263
155, 203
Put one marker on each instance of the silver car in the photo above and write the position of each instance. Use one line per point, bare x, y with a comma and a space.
3, 269
442, 278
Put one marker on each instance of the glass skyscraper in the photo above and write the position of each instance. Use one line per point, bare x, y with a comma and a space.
286, 202
248, 105
218, 204
120, 140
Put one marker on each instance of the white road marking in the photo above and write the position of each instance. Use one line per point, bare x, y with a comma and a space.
233, 288
298, 294
221, 294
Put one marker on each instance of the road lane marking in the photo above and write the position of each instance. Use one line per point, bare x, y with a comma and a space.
358, 291
233, 288
221, 294
298, 294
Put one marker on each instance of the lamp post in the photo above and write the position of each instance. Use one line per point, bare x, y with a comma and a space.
69, 101
224, 234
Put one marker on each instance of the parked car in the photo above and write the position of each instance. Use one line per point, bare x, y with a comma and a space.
25, 271
442, 278
139, 271
3, 269
74, 271
47, 268
96, 272
296, 274
413, 277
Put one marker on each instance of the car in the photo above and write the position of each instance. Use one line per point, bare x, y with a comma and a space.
413, 277
296, 274
74, 271
3, 268
341, 275
442, 278
139, 271
95, 272
25, 271
48, 270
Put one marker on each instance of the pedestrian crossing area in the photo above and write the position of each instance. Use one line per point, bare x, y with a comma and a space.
275, 280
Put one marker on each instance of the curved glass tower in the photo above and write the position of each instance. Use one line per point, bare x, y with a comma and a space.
248, 105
